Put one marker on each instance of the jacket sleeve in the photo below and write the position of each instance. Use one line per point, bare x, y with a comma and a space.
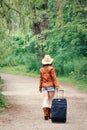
53, 75
40, 86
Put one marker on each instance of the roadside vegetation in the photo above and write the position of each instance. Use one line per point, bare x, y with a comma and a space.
3, 101
1, 83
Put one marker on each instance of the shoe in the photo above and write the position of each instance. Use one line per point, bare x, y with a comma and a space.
45, 110
49, 113
46, 117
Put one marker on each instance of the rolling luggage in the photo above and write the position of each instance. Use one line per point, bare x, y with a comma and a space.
59, 108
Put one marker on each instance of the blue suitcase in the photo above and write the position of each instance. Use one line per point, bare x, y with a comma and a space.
59, 109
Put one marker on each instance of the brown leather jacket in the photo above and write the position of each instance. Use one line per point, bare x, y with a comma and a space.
48, 77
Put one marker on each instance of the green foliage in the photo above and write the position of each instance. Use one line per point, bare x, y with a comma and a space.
80, 69
3, 102
16, 48
32, 63
4, 50
60, 31
1, 83
80, 83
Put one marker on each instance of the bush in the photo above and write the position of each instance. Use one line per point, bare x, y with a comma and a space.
3, 102
31, 62
1, 83
80, 69
68, 67
3, 54
75, 68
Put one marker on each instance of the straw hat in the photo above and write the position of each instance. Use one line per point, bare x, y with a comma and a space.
47, 60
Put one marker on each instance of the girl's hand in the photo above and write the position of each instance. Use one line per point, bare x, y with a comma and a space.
58, 87
40, 90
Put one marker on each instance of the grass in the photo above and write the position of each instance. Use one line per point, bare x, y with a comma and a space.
21, 70
78, 83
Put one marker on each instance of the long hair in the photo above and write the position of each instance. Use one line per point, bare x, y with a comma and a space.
47, 65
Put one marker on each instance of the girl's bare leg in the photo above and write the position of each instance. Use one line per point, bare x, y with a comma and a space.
50, 97
45, 99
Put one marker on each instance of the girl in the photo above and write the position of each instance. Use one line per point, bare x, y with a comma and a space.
48, 84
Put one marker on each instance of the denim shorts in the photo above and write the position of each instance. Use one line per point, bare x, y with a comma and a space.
49, 89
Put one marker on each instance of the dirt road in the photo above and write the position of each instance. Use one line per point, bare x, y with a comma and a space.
25, 112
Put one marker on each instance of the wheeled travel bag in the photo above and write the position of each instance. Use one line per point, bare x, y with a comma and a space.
59, 108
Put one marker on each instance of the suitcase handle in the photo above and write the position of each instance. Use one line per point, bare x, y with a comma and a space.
58, 91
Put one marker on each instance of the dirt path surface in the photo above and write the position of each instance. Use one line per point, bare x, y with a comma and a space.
25, 112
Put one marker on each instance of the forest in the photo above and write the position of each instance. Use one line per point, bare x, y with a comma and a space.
29, 29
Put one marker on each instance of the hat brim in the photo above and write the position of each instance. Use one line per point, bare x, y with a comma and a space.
47, 62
